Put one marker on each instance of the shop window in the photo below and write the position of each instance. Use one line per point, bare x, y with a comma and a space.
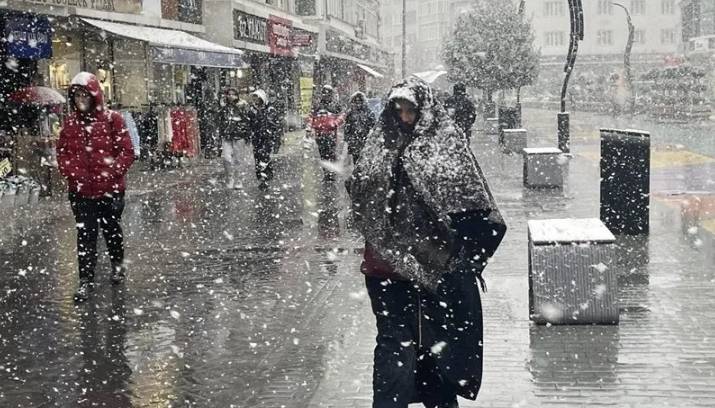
639, 36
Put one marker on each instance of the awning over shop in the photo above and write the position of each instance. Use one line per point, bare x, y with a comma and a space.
370, 71
174, 46
429, 76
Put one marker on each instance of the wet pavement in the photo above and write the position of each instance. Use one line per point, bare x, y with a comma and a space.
253, 299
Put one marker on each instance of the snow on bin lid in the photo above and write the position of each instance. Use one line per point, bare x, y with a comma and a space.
542, 150
626, 132
514, 130
569, 231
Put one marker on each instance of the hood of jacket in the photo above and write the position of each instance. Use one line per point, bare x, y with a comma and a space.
90, 83
441, 169
262, 95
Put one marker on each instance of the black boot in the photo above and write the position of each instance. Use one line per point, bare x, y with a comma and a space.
118, 274
82, 293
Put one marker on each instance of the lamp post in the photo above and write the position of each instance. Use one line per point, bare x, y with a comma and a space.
404, 38
576, 15
627, 58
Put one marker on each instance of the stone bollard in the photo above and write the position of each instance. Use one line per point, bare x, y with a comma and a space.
572, 272
625, 181
513, 140
542, 167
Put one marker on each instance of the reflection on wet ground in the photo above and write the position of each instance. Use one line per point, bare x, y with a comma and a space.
253, 299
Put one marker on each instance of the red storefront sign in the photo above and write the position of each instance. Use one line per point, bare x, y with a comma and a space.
280, 36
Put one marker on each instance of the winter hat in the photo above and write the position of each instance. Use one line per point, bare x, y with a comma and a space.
261, 94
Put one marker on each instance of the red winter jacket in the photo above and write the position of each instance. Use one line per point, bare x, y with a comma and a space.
94, 151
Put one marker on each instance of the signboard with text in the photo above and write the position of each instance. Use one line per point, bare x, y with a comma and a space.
279, 36
117, 6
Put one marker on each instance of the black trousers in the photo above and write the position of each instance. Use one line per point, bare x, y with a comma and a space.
403, 371
92, 215
263, 161
327, 145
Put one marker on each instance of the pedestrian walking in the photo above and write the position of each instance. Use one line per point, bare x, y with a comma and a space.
324, 121
94, 153
265, 125
461, 109
235, 128
359, 120
427, 243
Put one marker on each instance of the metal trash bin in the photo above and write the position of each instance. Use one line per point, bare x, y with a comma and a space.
572, 272
625, 181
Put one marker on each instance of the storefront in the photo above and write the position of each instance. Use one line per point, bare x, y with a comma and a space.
280, 52
351, 65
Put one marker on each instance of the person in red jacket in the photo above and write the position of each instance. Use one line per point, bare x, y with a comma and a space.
323, 122
94, 154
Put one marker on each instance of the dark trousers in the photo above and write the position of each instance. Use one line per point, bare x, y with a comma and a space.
403, 371
327, 144
92, 215
264, 164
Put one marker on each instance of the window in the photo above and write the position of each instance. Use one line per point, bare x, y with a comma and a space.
605, 7
667, 36
667, 6
554, 8
305, 7
639, 36
638, 7
605, 37
554, 38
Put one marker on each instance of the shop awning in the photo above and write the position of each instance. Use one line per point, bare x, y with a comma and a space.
429, 76
174, 46
370, 71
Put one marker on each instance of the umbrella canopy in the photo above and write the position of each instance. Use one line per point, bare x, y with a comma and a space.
37, 95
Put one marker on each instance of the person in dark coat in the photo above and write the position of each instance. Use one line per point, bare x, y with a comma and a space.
265, 125
235, 129
359, 120
324, 121
426, 246
462, 109
94, 153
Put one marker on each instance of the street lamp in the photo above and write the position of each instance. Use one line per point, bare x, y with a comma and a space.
576, 15
627, 57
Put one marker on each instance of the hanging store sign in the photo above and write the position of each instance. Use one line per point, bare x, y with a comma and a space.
117, 6
279, 36
182, 56
247, 27
28, 37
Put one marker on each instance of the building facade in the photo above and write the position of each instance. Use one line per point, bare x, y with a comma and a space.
601, 53
294, 45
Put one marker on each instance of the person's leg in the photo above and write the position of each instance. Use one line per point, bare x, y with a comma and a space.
395, 351
264, 170
110, 222
238, 152
228, 154
85, 213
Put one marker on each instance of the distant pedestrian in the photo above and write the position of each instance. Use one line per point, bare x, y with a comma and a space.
359, 120
265, 125
324, 121
461, 109
94, 153
430, 224
235, 131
